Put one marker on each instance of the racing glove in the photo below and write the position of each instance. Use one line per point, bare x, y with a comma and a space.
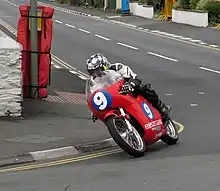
127, 87
131, 85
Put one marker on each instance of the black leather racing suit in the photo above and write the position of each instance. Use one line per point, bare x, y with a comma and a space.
141, 89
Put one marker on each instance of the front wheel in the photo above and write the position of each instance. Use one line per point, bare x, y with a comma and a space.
172, 135
131, 142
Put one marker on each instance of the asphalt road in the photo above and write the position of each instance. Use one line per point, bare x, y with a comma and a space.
173, 69
185, 173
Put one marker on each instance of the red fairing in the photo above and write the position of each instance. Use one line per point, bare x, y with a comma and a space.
44, 48
24, 40
139, 108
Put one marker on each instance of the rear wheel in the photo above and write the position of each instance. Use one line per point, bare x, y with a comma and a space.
131, 142
172, 135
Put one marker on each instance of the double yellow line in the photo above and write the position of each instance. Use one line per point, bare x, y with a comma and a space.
64, 161
72, 160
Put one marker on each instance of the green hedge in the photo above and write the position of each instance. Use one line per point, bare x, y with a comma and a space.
184, 4
201, 4
213, 9
64, 1
181, 5
193, 3
99, 3
95, 3
146, 2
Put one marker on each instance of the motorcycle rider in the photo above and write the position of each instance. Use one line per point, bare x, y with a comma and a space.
98, 62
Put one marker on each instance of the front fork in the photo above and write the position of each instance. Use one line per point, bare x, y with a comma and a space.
123, 114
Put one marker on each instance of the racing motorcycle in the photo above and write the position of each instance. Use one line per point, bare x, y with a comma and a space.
132, 121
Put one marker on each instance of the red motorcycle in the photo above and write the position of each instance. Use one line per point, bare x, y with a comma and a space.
132, 121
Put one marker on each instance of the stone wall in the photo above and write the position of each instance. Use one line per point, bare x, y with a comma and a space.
10, 77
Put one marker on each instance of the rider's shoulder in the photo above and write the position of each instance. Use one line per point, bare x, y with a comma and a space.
116, 66
112, 72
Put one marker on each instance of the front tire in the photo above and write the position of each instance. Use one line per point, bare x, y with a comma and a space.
172, 135
113, 124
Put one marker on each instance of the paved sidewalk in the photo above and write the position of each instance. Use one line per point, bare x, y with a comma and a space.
49, 126
207, 36
92, 11
62, 120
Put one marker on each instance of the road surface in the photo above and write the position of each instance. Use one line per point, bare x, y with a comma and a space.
186, 77
118, 172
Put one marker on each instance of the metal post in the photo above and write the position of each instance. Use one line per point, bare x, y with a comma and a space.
34, 47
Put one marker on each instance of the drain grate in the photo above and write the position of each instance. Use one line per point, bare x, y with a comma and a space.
67, 97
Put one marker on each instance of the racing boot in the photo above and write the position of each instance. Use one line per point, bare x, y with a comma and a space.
164, 111
94, 118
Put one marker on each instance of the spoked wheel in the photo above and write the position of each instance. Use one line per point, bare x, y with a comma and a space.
129, 141
172, 135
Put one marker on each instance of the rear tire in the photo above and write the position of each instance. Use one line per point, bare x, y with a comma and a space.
172, 135
111, 123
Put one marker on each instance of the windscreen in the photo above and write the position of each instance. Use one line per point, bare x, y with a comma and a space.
108, 78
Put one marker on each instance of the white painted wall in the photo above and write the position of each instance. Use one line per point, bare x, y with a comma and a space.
190, 18
10, 76
141, 11
132, 7
118, 4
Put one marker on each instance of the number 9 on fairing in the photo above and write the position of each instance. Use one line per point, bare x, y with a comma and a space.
100, 101
147, 111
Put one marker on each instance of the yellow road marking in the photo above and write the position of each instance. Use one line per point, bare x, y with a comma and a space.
60, 162
75, 159
71, 160
181, 127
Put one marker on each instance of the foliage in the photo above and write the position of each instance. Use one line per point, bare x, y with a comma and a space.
147, 2
63, 1
181, 4
72, 2
142, 2
184, 4
213, 8
201, 4
176, 5
98, 3
193, 3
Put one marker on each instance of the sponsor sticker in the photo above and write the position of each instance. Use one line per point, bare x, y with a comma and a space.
154, 124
